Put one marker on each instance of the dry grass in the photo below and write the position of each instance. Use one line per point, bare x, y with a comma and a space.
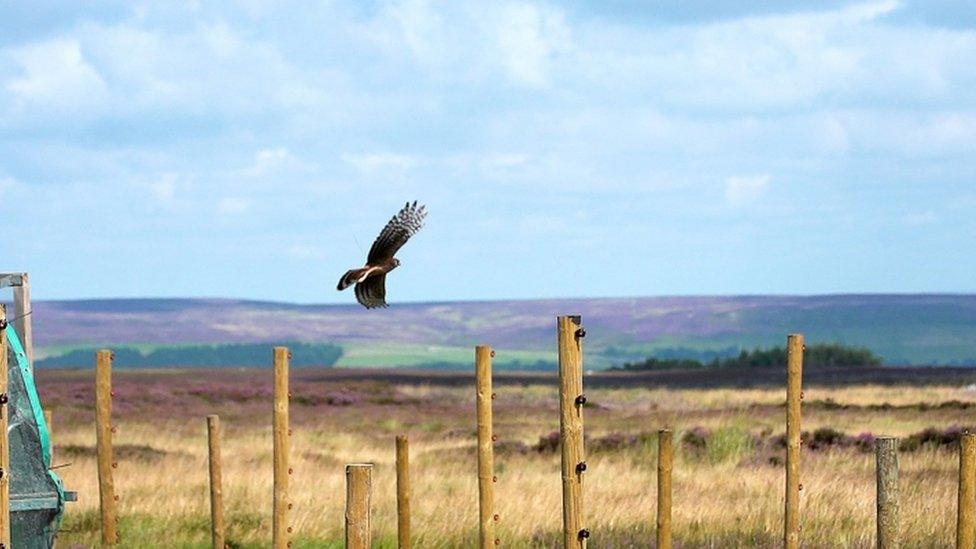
729, 496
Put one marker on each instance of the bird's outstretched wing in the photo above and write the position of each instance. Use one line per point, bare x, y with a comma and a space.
401, 227
371, 293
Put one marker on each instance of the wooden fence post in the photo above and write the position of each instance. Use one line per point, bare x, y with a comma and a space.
103, 439
570, 335
280, 530
4, 439
359, 488
23, 323
794, 386
886, 449
403, 491
486, 452
216, 483
966, 506
665, 462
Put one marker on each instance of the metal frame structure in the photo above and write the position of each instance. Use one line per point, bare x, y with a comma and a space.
20, 284
37, 496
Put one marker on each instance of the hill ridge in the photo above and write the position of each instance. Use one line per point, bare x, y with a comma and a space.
902, 328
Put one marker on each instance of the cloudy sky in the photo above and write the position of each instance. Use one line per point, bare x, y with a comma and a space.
254, 149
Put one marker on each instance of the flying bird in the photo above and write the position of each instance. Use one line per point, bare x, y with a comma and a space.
370, 280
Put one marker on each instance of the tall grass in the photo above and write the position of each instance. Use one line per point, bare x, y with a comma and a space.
726, 495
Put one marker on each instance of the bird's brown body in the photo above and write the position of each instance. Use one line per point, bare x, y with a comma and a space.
355, 276
370, 280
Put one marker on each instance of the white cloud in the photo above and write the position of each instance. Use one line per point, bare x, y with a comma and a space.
267, 161
920, 219
54, 73
373, 163
8, 187
778, 63
163, 188
223, 41
502, 165
233, 205
528, 36
305, 252
421, 28
741, 190
510, 107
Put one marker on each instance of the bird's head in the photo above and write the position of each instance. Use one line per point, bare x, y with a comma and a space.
396, 262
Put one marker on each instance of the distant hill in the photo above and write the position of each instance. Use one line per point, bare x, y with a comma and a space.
903, 329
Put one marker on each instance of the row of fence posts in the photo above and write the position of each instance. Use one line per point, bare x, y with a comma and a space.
889, 509
573, 464
886, 471
358, 475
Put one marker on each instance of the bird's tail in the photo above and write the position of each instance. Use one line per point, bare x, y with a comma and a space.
350, 278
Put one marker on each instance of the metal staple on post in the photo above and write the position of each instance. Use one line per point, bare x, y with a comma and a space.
103, 439
886, 449
486, 453
279, 529
570, 335
794, 387
664, 466
403, 491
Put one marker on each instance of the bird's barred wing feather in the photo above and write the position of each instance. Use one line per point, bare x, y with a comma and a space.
401, 227
371, 293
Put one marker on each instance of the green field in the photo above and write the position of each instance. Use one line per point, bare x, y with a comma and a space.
370, 355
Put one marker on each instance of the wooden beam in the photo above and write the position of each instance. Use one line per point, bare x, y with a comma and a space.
22, 312
359, 488
103, 439
886, 450
486, 451
794, 380
570, 335
665, 463
966, 505
280, 530
216, 483
403, 491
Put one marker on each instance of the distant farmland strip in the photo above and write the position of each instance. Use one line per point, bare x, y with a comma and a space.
227, 355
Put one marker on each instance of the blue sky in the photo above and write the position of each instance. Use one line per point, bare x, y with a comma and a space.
586, 148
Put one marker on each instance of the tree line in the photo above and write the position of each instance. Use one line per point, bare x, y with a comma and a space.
822, 355
225, 355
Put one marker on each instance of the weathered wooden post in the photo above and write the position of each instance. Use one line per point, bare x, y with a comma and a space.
571, 399
103, 439
280, 530
966, 506
403, 491
665, 462
22, 314
216, 483
359, 488
4, 440
794, 394
886, 449
486, 453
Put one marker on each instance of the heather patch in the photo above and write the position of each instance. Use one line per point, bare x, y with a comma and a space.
122, 452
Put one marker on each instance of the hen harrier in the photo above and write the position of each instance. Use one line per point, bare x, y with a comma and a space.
370, 280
